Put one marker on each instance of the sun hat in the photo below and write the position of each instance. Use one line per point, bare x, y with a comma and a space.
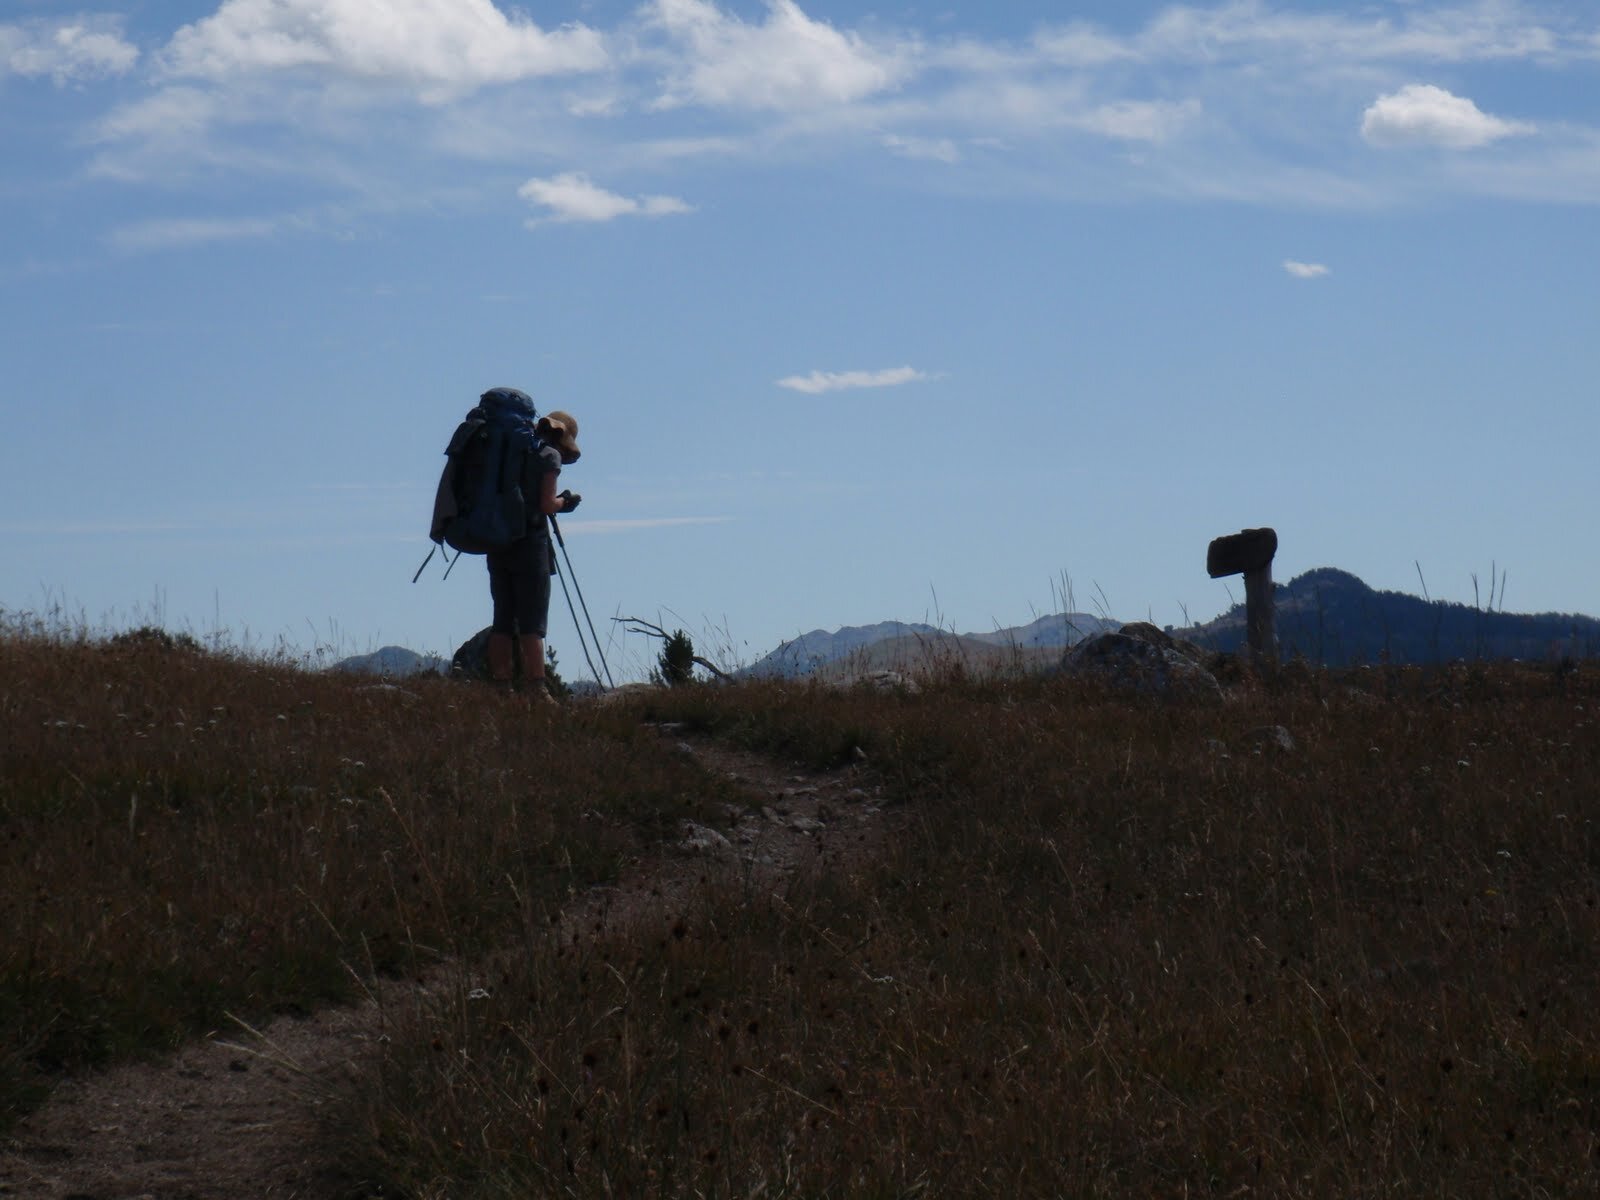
560, 429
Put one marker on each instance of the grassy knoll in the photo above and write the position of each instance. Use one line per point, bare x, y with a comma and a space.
1121, 949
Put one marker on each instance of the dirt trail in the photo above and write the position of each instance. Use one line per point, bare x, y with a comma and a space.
235, 1116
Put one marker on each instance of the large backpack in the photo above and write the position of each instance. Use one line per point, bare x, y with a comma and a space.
479, 506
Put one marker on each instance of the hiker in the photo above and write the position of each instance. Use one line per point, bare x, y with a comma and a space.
519, 576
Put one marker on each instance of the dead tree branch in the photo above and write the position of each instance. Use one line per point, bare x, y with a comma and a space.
636, 625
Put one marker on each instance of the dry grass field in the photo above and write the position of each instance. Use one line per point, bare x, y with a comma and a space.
1117, 947
186, 835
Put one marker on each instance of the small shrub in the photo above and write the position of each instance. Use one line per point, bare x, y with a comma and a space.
552, 676
676, 662
153, 637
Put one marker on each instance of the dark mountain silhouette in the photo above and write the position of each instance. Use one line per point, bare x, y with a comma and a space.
1333, 618
1327, 615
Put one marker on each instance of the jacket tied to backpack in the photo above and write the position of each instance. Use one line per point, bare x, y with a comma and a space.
479, 507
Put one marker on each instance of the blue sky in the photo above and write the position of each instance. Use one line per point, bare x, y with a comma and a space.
910, 312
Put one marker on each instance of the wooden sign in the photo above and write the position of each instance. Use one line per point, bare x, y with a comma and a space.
1248, 550
1250, 553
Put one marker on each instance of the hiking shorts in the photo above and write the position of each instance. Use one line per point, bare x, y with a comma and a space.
519, 585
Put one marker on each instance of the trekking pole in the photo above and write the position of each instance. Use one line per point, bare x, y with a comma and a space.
582, 641
562, 542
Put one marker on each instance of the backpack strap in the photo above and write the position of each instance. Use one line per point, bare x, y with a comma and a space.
510, 465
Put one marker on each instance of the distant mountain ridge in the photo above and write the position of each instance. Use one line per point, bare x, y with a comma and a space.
1327, 615
894, 645
393, 660
1332, 618
1057, 631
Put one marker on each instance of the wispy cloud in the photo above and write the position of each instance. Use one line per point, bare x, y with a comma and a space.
627, 525
574, 197
93, 528
935, 149
65, 51
362, 487
1485, 31
193, 231
1304, 270
1139, 120
170, 112
1422, 114
1563, 169
1081, 45
835, 381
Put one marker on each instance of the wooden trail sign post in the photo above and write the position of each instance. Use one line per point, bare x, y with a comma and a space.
1250, 553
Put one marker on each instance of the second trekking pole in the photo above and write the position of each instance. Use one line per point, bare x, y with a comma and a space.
583, 642
562, 542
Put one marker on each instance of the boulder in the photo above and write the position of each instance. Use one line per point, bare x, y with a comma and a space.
702, 839
887, 681
471, 659
1271, 737
1151, 664
1147, 632
621, 692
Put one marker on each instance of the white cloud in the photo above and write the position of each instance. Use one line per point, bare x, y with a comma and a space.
67, 51
573, 197
1421, 114
1304, 270
787, 62
443, 46
1237, 100
834, 381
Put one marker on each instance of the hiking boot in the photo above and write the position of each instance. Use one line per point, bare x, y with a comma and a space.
538, 695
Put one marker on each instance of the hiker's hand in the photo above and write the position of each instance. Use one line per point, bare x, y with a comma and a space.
570, 499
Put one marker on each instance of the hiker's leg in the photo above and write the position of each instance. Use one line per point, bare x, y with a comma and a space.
499, 655
503, 594
533, 613
531, 649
